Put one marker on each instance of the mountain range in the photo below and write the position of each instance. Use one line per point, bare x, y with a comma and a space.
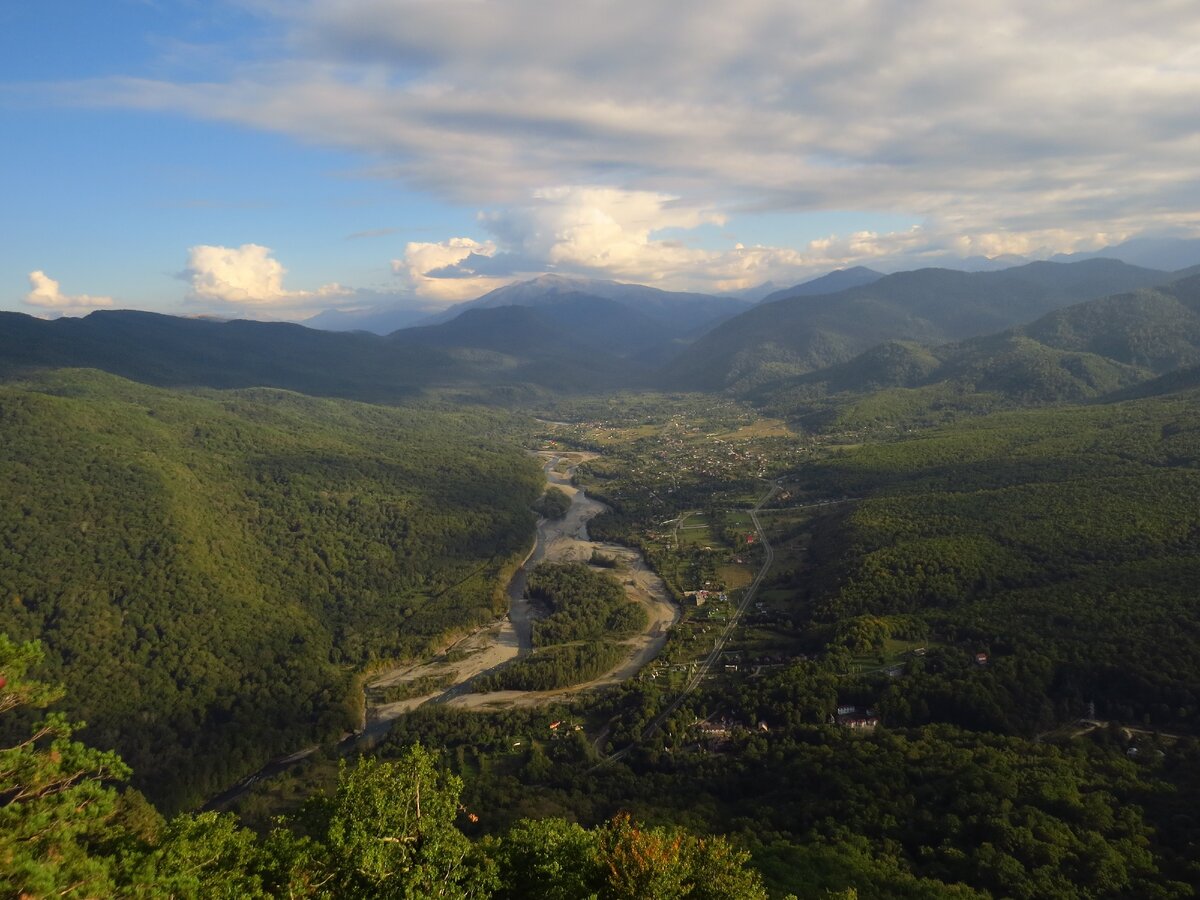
681, 313
566, 334
1133, 344
784, 338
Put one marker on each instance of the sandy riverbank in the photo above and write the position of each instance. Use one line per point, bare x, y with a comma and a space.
560, 540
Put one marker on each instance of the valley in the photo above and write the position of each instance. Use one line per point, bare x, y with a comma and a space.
558, 540
471, 450
829, 612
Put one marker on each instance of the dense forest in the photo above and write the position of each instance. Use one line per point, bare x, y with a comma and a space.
938, 811
390, 829
558, 666
583, 605
1065, 545
207, 571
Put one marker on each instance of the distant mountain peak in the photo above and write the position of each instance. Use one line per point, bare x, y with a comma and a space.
829, 283
682, 313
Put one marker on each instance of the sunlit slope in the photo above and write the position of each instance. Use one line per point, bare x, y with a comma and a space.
1082, 352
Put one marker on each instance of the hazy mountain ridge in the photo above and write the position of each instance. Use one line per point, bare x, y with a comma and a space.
800, 334
567, 345
379, 320
169, 351
1169, 253
1099, 348
579, 341
682, 312
830, 283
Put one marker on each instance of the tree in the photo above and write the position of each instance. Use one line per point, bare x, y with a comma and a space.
59, 819
548, 859
390, 833
668, 863
553, 504
68, 830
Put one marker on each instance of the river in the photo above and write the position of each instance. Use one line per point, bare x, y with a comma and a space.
557, 540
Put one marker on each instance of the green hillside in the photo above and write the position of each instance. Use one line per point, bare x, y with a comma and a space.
800, 334
486, 350
1086, 351
1065, 543
208, 570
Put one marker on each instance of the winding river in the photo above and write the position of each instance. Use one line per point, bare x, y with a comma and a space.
557, 540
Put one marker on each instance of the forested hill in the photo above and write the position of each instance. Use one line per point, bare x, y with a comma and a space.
830, 283
800, 334
170, 351
491, 348
207, 570
1085, 351
1064, 543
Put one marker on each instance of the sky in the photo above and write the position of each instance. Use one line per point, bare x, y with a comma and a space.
275, 158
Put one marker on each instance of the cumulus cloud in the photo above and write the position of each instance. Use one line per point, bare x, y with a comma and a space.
638, 236
248, 280
46, 294
423, 263
997, 124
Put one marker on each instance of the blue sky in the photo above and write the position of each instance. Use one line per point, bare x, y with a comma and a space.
271, 158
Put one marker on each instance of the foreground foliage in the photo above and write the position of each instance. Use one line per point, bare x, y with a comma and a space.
388, 831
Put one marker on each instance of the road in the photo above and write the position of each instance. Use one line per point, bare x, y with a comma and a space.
719, 644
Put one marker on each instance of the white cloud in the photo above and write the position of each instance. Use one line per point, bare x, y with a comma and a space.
248, 280
422, 258
45, 293
605, 232
998, 125
599, 229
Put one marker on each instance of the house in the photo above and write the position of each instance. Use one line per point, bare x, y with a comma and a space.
981, 659
858, 722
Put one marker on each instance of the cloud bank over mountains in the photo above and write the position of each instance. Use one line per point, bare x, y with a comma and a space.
46, 295
246, 279
605, 137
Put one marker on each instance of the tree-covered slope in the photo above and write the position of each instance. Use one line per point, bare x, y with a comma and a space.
206, 570
388, 829
493, 348
1093, 349
1065, 543
1156, 329
800, 334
